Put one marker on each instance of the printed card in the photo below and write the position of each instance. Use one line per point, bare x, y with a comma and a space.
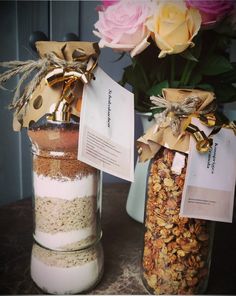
210, 178
106, 139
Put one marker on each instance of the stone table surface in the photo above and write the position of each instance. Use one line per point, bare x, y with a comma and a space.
122, 242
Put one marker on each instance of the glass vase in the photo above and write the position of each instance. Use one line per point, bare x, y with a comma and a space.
67, 207
176, 250
136, 197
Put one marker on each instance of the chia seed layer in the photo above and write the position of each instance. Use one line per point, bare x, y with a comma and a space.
66, 259
53, 214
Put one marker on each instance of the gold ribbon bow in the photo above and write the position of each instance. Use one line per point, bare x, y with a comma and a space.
173, 126
174, 111
69, 76
203, 142
67, 62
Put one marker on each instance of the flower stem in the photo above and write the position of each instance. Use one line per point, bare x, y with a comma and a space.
186, 74
172, 70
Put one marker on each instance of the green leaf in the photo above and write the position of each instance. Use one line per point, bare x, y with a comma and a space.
215, 64
188, 55
230, 76
205, 86
157, 89
195, 78
175, 84
134, 76
157, 110
226, 28
225, 93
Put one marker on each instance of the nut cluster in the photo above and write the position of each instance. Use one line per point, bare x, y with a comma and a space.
176, 249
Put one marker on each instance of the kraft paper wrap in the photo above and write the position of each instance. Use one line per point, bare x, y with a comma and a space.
49, 96
149, 144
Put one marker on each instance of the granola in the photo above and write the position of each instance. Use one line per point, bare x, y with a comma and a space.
176, 249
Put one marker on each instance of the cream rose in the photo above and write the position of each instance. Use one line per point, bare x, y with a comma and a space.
173, 26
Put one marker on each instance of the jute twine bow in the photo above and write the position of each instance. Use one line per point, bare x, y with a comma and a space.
82, 65
175, 110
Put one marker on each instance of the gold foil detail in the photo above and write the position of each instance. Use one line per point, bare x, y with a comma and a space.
203, 142
208, 119
231, 125
55, 76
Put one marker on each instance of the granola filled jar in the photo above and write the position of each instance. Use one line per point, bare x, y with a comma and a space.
177, 250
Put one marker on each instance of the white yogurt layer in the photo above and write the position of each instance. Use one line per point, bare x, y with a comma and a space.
60, 239
67, 189
61, 280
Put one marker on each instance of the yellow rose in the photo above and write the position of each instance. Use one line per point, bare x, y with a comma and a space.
173, 26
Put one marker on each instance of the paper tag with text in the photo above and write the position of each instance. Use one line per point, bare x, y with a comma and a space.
106, 139
210, 178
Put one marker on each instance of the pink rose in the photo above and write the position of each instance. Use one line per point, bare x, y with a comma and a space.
122, 26
211, 10
105, 4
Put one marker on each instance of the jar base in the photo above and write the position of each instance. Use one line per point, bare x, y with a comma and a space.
72, 272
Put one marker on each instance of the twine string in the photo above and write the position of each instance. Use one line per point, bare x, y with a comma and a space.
174, 111
41, 67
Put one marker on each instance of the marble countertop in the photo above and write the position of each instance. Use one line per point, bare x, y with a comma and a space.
122, 242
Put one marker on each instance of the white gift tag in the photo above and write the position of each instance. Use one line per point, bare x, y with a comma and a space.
106, 139
210, 178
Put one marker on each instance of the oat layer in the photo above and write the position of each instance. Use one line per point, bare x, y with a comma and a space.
53, 215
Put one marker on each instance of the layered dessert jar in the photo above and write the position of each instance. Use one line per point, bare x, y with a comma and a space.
67, 210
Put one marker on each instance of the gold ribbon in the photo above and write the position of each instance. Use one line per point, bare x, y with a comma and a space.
60, 62
69, 77
204, 142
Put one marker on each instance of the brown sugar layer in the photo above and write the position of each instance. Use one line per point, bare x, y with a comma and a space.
55, 139
54, 215
59, 168
66, 259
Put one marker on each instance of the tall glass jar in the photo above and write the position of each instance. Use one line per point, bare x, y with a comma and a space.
177, 250
67, 206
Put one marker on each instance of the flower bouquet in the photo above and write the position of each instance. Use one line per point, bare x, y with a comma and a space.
172, 44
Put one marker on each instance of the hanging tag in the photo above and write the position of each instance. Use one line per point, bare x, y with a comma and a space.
178, 163
106, 139
210, 178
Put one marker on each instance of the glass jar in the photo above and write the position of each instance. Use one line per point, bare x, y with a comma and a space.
59, 272
177, 250
67, 255
67, 192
